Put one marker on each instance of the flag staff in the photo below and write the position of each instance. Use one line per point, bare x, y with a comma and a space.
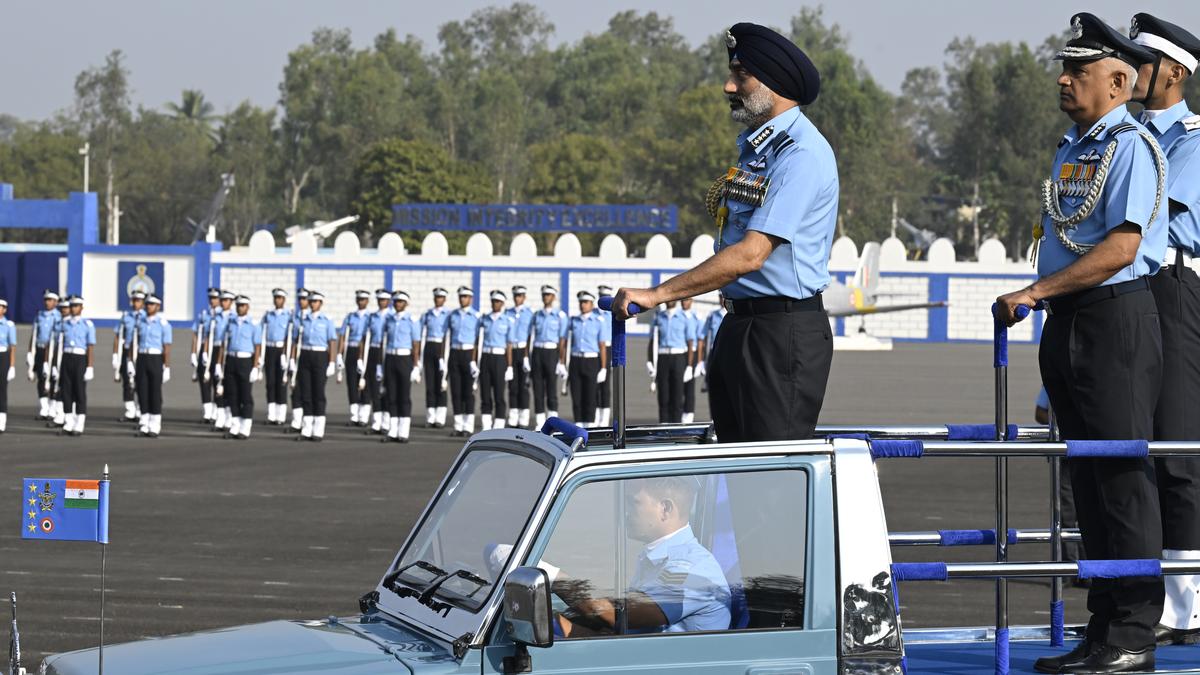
103, 548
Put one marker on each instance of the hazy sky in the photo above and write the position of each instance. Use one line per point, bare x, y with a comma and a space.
234, 50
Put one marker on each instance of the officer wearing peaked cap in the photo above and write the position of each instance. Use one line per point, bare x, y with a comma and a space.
241, 358
1176, 289
276, 324
353, 328
548, 347
775, 213
299, 314
494, 361
78, 353
463, 371
434, 323
122, 354
1103, 233
370, 359
317, 343
518, 388
8, 360
588, 353
401, 367
153, 368
43, 331
203, 334
223, 418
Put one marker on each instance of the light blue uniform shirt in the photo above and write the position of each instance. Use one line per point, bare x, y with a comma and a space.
45, 322
220, 319
276, 321
463, 326
497, 329
686, 582
673, 328
434, 322
298, 317
319, 330
357, 322
607, 320
244, 334
550, 325
1182, 146
200, 326
522, 319
402, 330
711, 325
694, 326
79, 333
1128, 197
377, 322
585, 333
8, 336
153, 332
130, 320
801, 208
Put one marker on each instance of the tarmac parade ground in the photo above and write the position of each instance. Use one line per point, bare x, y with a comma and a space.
208, 533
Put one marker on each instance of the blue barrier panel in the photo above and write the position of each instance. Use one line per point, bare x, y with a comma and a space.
1135, 448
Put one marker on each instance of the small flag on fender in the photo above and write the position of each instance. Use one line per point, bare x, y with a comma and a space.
64, 510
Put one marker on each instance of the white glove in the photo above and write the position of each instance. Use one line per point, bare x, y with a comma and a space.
54, 372
204, 357
131, 370
508, 374
651, 369
602, 376
29, 359
416, 375
561, 370
441, 365
360, 366
195, 360
46, 368
166, 374
292, 365
526, 365
329, 369
283, 361
341, 362
474, 370
116, 361
219, 371
89, 374
12, 373
255, 374
688, 374
701, 370
379, 373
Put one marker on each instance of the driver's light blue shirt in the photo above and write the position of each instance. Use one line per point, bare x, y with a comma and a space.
801, 208
1128, 196
685, 581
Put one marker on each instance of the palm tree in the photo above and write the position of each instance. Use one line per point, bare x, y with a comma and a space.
193, 107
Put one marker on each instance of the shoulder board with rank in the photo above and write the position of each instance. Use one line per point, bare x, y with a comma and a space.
1122, 128
1191, 123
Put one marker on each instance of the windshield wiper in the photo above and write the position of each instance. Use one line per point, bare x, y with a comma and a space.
393, 583
434, 586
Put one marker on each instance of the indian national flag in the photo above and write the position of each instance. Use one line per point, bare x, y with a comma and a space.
82, 494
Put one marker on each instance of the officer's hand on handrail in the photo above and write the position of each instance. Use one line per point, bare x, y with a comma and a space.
629, 301
1007, 306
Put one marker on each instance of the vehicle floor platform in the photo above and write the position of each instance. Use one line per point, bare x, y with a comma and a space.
978, 658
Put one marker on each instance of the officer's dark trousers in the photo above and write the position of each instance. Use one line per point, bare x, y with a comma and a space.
128, 386
311, 382
218, 395
1102, 367
273, 374
1177, 293
461, 393
238, 392
375, 388
39, 365
353, 393
297, 393
689, 395
518, 388
491, 385
206, 386
582, 376
669, 382
74, 389
4, 382
149, 371
397, 376
545, 393
435, 396
767, 373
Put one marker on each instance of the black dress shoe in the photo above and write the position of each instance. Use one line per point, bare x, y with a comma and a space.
403, 440
1054, 664
1165, 635
1110, 659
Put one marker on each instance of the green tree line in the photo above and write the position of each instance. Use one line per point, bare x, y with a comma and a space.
495, 113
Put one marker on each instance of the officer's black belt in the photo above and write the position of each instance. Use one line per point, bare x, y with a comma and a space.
774, 305
1066, 304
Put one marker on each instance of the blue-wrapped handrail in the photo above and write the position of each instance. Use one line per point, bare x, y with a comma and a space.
984, 537
1100, 449
1084, 569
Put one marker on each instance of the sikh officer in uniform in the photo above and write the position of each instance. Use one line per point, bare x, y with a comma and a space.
494, 362
122, 353
433, 333
79, 346
1176, 288
708, 338
201, 334
668, 357
588, 354
1103, 233
317, 361
401, 367
38, 358
604, 389
8, 360
371, 357
548, 349
768, 372
276, 323
350, 336
521, 317
298, 316
689, 373
154, 337
241, 357
462, 370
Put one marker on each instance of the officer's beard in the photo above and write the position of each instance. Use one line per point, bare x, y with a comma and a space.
753, 110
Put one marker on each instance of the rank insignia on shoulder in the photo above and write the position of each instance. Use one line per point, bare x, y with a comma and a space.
1191, 123
672, 578
761, 137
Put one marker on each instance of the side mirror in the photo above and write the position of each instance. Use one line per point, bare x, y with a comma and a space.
528, 619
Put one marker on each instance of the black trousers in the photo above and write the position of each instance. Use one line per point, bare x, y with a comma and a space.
545, 393
767, 375
353, 393
297, 393
604, 392
218, 395
518, 388
1102, 367
397, 377
1177, 294
273, 374
311, 381
461, 393
435, 396
689, 395
491, 384
149, 376
206, 387
4, 381
374, 391
39, 364
74, 389
582, 377
128, 386
669, 381
239, 394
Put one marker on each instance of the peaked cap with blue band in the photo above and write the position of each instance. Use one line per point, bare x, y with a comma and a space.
775, 60
1092, 40
1166, 38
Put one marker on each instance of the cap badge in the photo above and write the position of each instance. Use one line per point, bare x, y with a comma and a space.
1076, 28
730, 41
1133, 28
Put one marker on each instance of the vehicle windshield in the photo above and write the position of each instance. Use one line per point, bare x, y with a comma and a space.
470, 530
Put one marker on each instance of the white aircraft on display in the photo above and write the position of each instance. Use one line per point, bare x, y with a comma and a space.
320, 229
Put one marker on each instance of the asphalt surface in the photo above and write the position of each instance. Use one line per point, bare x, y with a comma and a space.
207, 532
